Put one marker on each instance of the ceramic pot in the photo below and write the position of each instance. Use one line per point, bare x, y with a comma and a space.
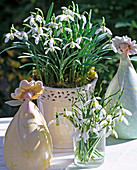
54, 100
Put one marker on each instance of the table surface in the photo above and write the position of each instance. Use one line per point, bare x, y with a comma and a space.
119, 154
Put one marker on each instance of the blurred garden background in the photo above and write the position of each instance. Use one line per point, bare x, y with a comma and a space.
120, 17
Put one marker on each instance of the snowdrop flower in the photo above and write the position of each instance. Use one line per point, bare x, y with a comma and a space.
102, 113
103, 29
79, 39
18, 35
110, 46
52, 49
78, 137
72, 45
57, 121
54, 24
109, 119
85, 136
33, 30
39, 18
64, 17
95, 131
52, 41
9, 36
37, 38
77, 134
21, 35
87, 102
122, 113
129, 46
70, 12
84, 21
95, 103
25, 35
68, 113
111, 132
32, 20
38, 34
66, 29
96, 128
103, 123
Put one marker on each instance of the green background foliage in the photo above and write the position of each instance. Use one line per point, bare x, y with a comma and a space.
120, 17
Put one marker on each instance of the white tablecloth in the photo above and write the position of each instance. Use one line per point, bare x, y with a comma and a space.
119, 154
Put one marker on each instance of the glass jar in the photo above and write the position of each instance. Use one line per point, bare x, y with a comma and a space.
90, 153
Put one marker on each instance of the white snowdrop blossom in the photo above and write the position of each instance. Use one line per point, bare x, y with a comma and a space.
95, 130
104, 123
38, 18
54, 25
109, 119
95, 103
70, 12
64, 17
57, 121
84, 21
68, 29
102, 113
72, 45
85, 136
51, 43
31, 19
25, 35
79, 39
21, 35
111, 132
33, 30
9, 36
103, 29
121, 112
110, 46
125, 40
51, 49
68, 113
39, 33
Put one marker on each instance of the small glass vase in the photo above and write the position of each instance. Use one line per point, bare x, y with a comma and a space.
90, 154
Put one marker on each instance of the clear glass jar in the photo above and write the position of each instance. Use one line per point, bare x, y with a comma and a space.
90, 154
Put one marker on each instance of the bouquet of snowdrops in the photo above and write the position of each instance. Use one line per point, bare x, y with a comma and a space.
62, 50
91, 121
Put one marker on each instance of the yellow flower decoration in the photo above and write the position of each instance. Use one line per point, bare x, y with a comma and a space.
27, 90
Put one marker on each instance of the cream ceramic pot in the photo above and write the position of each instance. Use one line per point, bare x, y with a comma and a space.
54, 100
27, 144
